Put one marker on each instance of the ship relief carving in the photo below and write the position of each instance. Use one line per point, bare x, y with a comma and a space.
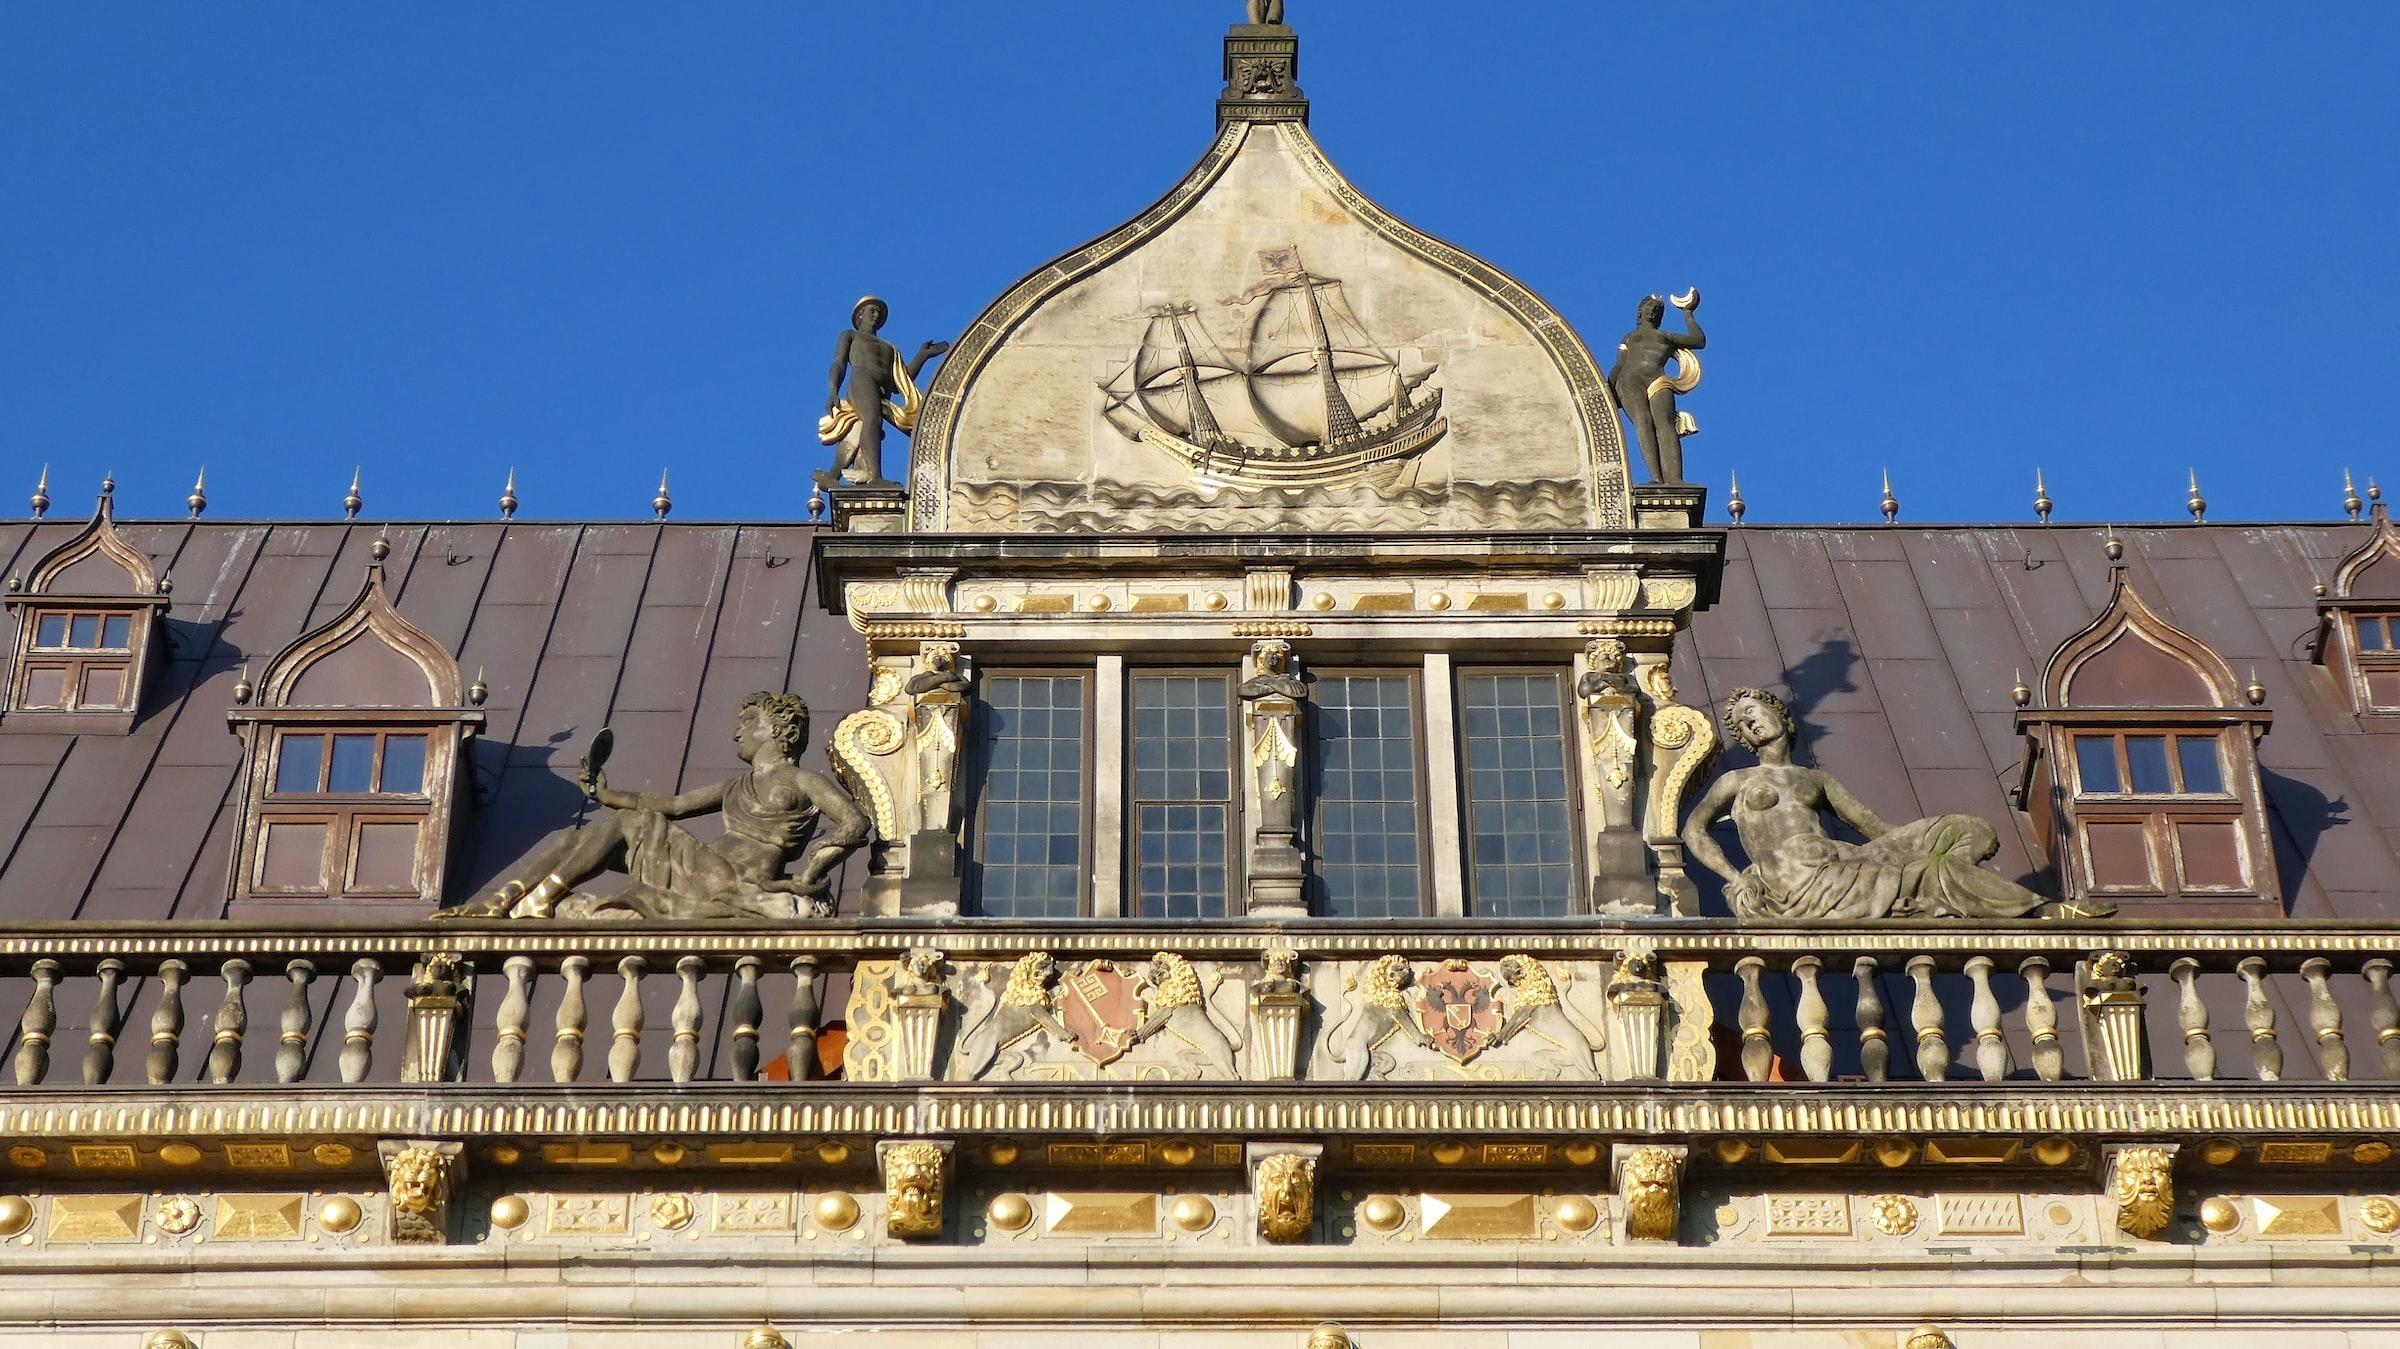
1506, 1022
1100, 1020
1305, 395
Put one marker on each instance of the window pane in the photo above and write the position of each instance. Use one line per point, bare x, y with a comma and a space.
1182, 789
2096, 764
46, 687
2198, 754
353, 764
386, 855
51, 632
116, 631
298, 762
293, 855
403, 765
2146, 762
86, 631
103, 686
2371, 634
1031, 745
1521, 851
1365, 788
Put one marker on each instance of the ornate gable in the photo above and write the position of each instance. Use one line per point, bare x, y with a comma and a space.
86, 618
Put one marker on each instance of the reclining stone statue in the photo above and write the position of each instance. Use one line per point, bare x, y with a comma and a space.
1926, 869
771, 814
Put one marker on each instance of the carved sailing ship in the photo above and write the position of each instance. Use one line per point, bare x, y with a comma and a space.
1309, 398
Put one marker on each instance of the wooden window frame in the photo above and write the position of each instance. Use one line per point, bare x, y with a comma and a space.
1577, 767
972, 881
2365, 665
429, 807
2054, 775
1237, 817
132, 663
1310, 820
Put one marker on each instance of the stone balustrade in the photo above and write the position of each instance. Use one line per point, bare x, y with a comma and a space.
516, 1005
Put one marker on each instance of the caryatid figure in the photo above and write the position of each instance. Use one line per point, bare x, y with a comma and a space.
1612, 714
1647, 392
1272, 698
940, 690
881, 388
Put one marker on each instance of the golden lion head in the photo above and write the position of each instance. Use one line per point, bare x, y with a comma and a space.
1287, 1196
1177, 983
1029, 981
416, 1180
912, 1186
1531, 979
1385, 976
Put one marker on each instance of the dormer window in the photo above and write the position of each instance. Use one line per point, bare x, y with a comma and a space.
85, 620
356, 734
2142, 769
2358, 631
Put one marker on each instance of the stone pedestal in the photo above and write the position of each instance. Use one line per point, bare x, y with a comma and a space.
1262, 75
1669, 505
1621, 882
871, 509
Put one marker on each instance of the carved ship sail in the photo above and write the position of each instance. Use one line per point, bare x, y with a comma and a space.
1310, 398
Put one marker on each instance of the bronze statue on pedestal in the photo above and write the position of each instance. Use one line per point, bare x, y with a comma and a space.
882, 389
771, 813
1647, 392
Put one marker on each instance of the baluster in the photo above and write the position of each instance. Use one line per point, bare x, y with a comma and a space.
166, 1022
1925, 1013
2041, 1019
625, 1049
747, 1012
2266, 1052
683, 1057
2199, 1051
1991, 1049
233, 1020
2325, 1020
1758, 1050
41, 1019
566, 1051
1874, 1047
1816, 1047
2386, 1011
801, 1056
291, 1047
358, 1025
100, 1051
508, 1049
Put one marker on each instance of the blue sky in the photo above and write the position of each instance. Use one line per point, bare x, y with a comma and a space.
442, 239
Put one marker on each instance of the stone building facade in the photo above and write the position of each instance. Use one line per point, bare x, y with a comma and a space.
1313, 853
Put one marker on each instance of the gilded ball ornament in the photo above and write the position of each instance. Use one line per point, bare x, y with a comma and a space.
2054, 1151
1437, 601
340, 1214
2381, 1215
1449, 1154
2220, 1151
1576, 1214
1002, 1154
178, 1215
1177, 1153
1733, 1151
833, 1154
504, 1154
2219, 1215
179, 1154
2374, 1153
16, 1214
1382, 1213
1010, 1212
1320, 600
1580, 1153
1895, 1152
668, 1154
1193, 1213
510, 1211
1551, 599
984, 604
1213, 601
836, 1211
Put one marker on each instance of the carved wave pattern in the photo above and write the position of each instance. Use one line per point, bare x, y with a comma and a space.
1538, 503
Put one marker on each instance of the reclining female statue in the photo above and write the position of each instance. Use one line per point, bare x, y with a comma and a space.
1926, 869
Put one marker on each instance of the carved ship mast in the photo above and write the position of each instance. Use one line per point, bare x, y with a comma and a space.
1295, 408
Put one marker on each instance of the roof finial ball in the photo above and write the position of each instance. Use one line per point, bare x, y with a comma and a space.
662, 503
478, 691
1735, 507
2351, 505
1890, 503
381, 548
2255, 691
352, 502
2042, 504
2021, 694
243, 688
40, 500
198, 500
508, 496
2114, 548
2196, 503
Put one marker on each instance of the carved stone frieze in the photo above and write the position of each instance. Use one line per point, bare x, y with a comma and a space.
1101, 1019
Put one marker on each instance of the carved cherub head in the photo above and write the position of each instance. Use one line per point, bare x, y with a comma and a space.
1756, 717
771, 718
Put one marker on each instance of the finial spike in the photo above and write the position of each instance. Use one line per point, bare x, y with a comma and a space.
2019, 693
2042, 504
382, 547
478, 691
662, 503
508, 495
2256, 692
2114, 549
242, 687
40, 500
816, 504
2351, 505
108, 483
198, 500
2196, 503
1890, 503
1735, 507
353, 503
2374, 493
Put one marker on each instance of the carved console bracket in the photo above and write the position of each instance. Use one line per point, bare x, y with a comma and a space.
1283, 1184
2141, 1185
1649, 1181
916, 1174
421, 1176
